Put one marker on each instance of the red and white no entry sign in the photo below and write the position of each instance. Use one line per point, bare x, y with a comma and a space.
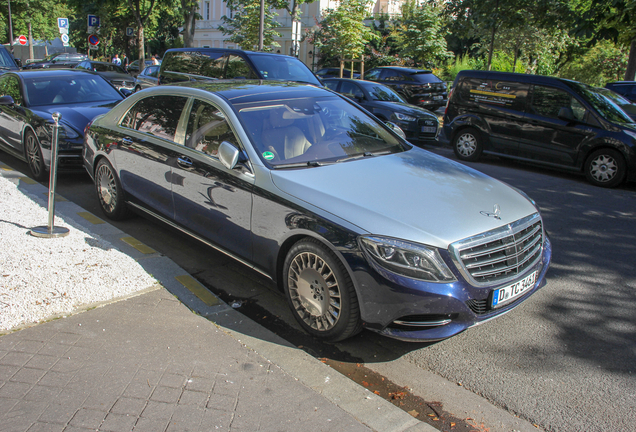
22, 39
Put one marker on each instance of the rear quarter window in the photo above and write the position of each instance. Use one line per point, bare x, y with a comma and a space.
506, 94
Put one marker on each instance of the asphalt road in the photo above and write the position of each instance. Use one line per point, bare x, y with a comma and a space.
565, 360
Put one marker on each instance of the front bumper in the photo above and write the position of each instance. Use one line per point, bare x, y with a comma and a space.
413, 310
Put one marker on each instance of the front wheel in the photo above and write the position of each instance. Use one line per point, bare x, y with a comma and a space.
109, 192
467, 145
605, 168
34, 157
320, 292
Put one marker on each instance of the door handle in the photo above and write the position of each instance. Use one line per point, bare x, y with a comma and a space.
126, 141
184, 162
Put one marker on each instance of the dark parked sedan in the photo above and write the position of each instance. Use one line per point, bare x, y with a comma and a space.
358, 227
419, 125
417, 86
335, 73
27, 100
133, 68
57, 61
111, 72
147, 78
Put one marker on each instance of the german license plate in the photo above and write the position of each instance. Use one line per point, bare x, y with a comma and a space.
429, 129
505, 295
438, 97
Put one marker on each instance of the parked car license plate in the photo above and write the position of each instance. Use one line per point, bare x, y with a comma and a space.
438, 97
429, 129
506, 294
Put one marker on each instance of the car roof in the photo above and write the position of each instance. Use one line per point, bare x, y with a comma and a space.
363, 83
51, 72
405, 69
513, 76
248, 91
225, 50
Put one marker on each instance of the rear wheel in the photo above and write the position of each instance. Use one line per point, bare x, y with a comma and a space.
109, 192
320, 292
34, 157
605, 168
467, 145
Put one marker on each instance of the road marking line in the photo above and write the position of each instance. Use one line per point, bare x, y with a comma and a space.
138, 245
198, 290
91, 218
27, 180
57, 197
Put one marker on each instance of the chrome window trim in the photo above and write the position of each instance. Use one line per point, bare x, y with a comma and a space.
494, 235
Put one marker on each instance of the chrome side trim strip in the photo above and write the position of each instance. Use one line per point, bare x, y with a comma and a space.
201, 239
422, 323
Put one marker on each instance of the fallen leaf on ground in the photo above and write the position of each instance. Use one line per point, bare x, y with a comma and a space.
414, 413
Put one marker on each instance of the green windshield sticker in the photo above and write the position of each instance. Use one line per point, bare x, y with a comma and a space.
268, 155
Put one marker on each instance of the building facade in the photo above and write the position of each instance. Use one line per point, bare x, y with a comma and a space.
207, 34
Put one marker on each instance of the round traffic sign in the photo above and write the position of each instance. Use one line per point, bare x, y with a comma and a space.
65, 38
93, 39
22, 39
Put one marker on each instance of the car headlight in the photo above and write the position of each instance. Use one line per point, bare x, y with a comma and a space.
404, 117
409, 259
65, 131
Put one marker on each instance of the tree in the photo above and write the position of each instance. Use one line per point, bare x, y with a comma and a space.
243, 25
342, 34
419, 34
611, 20
189, 13
141, 11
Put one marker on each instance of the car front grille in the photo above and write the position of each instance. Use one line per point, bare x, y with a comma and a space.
501, 254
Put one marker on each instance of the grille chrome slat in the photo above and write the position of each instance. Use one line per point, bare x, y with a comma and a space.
501, 254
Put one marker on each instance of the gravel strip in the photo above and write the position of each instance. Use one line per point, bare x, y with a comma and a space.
43, 278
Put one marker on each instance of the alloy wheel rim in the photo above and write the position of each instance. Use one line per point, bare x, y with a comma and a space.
466, 145
314, 291
107, 187
34, 156
603, 168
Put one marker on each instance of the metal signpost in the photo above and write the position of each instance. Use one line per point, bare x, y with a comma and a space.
51, 230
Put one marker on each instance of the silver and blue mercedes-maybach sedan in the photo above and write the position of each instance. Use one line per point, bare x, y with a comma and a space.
359, 228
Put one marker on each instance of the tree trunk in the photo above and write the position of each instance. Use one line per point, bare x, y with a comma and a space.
492, 47
630, 73
31, 40
142, 48
189, 14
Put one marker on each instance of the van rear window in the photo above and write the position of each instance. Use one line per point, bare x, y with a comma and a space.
506, 94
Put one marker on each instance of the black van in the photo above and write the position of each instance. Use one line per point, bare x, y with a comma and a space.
192, 64
544, 120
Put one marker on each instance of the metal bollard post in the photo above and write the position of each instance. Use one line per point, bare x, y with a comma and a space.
51, 230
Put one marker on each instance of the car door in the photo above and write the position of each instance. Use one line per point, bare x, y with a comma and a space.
12, 118
548, 138
500, 105
209, 199
145, 150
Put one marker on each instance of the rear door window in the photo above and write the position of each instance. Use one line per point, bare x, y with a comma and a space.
507, 94
156, 115
237, 68
373, 75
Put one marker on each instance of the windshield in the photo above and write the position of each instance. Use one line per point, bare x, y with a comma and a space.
6, 61
99, 67
278, 67
384, 94
314, 131
605, 107
64, 90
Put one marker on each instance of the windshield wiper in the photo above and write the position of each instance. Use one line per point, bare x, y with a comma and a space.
301, 164
365, 154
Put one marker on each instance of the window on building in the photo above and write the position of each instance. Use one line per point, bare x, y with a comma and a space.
207, 10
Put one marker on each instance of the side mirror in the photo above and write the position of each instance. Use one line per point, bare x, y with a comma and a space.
18, 62
7, 101
126, 92
228, 155
566, 113
395, 128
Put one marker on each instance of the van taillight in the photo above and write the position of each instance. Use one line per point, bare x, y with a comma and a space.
450, 94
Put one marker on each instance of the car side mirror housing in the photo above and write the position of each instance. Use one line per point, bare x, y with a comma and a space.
228, 155
7, 101
126, 92
395, 128
566, 113
18, 62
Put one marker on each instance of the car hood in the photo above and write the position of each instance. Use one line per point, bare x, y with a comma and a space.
77, 115
406, 109
414, 195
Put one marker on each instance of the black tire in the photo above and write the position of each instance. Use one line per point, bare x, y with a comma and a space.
33, 154
320, 292
109, 192
468, 145
605, 168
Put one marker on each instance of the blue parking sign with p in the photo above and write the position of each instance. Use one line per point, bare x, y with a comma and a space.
62, 22
93, 21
